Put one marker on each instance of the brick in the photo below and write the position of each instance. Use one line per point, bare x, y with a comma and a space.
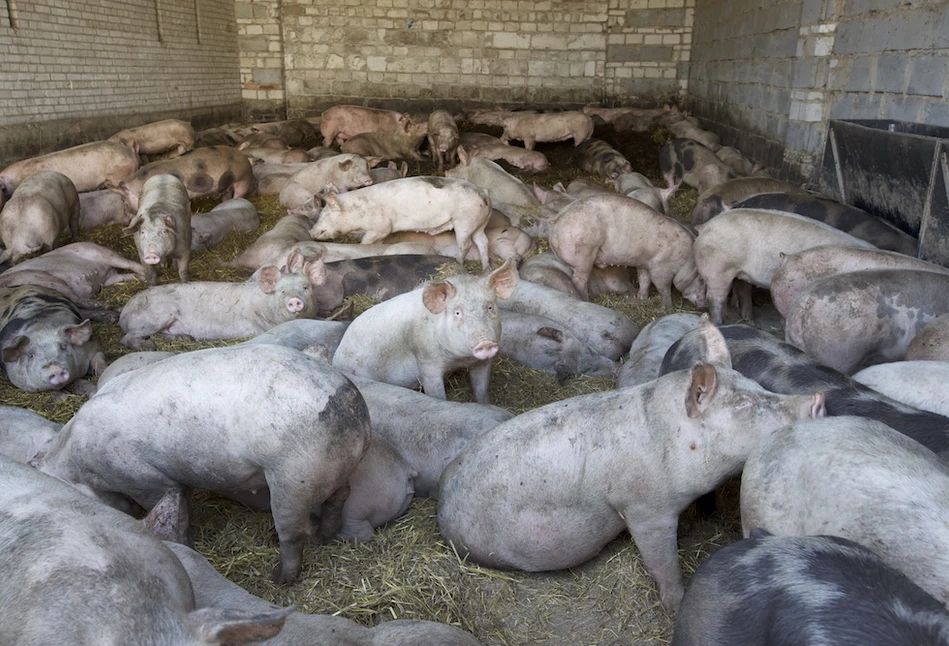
928, 75
639, 53
891, 73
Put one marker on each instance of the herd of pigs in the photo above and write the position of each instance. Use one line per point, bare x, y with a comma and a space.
844, 486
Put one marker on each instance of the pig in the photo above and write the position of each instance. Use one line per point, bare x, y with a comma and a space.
205, 172
568, 486
920, 384
685, 160
615, 230
800, 270
82, 268
88, 166
858, 479
496, 117
263, 141
854, 221
23, 433
542, 344
378, 277
426, 204
209, 229
762, 590
687, 130
271, 178
129, 362
321, 152
341, 122
932, 342
216, 310
335, 251
274, 156
215, 137
550, 126
609, 115
128, 440
427, 432
424, 334
530, 160
142, 593
586, 188
508, 194
605, 330
99, 208
43, 206
549, 270
317, 338
655, 198
293, 133
597, 157
402, 144
45, 344
851, 321
171, 136
627, 182
747, 244
274, 244
782, 368
212, 589
442, 138
552, 202
740, 164
503, 243
388, 173
650, 347
334, 174
724, 196
162, 226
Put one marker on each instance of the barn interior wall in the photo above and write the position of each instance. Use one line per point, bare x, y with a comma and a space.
301, 56
73, 71
768, 76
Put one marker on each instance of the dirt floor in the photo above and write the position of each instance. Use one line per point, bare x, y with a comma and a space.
407, 571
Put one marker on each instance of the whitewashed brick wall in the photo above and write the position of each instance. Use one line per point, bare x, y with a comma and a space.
79, 70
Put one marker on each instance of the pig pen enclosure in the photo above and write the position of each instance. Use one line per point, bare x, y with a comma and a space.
407, 571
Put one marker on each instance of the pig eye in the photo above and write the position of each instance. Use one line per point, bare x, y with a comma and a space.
458, 313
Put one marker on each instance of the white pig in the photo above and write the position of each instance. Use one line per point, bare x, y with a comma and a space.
920, 384
333, 174
209, 229
23, 433
162, 226
43, 206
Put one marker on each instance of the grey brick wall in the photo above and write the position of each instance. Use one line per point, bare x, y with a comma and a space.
304, 55
73, 71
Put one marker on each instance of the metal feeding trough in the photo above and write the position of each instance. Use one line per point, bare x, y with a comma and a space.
897, 171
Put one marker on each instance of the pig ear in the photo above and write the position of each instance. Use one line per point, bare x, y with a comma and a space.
315, 270
295, 261
701, 389
133, 225
243, 145
551, 333
374, 161
559, 187
170, 221
344, 165
540, 193
169, 518
435, 296
78, 334
267, 279
12, 352
218, 626
716, 349
391, 165
331, 199
818, 407
503, 280
463, 158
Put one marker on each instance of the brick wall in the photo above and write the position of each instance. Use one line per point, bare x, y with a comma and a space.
305, 55
768, 76
73, 71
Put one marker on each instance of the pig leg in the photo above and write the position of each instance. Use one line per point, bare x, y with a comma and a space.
529, 144
655, 536
479, 375
717, 291
331, 514
372, 237
182, 264
663, 282
433, 382
289, 503
644, 281
119, 278
151, 276
743, 290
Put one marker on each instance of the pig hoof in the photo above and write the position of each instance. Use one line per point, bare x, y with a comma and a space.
284, 578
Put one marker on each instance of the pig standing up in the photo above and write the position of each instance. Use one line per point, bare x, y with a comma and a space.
209, 229
88, 166
97, 576
299, 427
341, 122
423, 335
616, 230
764, 590
442, 138
43, 206
858, 479
334, 174
549, 488
46, 344
551, 126
170, 137
162, 226
426, 204
213, 310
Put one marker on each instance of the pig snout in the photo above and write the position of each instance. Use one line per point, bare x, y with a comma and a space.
57, 374
485, 350
295, 305
151, 258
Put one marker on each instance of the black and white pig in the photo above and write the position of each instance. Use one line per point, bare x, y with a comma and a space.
549, 488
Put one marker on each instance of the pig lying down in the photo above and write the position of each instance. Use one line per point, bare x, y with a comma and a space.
299, 428
549, 488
